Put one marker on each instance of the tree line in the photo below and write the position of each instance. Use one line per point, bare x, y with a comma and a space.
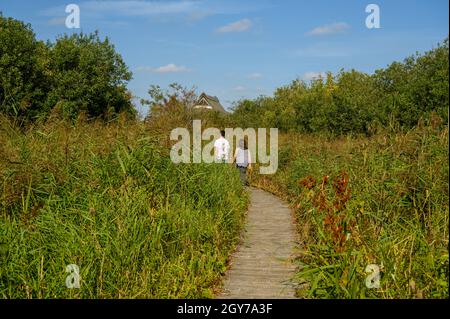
396, 97
76, 74
83, 74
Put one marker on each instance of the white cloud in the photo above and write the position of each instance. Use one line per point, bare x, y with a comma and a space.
169, 68
197, 16
239, 88
193, 10
141, 8
238, 26
255, 76
309, 76
127, 8
334, 28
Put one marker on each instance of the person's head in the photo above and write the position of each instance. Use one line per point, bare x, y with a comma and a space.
222, 133
243, 144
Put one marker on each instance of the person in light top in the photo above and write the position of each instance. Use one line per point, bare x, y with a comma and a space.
221, 148
243, 160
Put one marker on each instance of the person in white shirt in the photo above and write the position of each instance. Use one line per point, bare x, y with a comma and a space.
221, 148
243, 160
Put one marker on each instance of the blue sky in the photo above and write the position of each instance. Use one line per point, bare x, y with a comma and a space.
243, 49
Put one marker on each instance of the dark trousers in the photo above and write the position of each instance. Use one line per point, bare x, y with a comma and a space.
242, 174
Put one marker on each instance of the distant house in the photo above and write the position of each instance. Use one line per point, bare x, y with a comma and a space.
208, 102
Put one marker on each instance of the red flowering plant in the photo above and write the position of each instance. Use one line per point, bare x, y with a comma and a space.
337, 225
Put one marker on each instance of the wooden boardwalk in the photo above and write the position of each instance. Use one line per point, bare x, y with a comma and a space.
262, 265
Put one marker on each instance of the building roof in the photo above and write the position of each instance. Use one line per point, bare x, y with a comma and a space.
206, 101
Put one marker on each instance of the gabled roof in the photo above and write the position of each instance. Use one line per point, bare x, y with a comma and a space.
209, 102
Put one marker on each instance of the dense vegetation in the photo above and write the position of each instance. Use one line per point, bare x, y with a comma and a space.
108, 198
363, 159
104, 195
396, 97
359, 201
78, 74
364, 163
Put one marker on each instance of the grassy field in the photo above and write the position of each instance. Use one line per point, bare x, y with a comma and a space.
86, 178
359, 201
107, 198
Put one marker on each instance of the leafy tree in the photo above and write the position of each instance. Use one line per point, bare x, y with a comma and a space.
174, 100
415, 88
88, 76
248, 113
169, 108
354, 103
23, 80
396, 97
76, 74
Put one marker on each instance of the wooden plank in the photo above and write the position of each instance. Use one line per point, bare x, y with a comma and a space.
262, 266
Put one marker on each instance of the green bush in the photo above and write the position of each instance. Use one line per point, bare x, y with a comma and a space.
351, 102
77, 74
23, 82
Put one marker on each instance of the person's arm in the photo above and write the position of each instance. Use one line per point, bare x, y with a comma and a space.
215, 150
229, 152
249, 161
234, 156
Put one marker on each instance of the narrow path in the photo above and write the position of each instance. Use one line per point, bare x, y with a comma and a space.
262, 266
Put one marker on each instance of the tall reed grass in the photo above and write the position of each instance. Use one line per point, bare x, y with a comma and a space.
360, 201
107, 198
